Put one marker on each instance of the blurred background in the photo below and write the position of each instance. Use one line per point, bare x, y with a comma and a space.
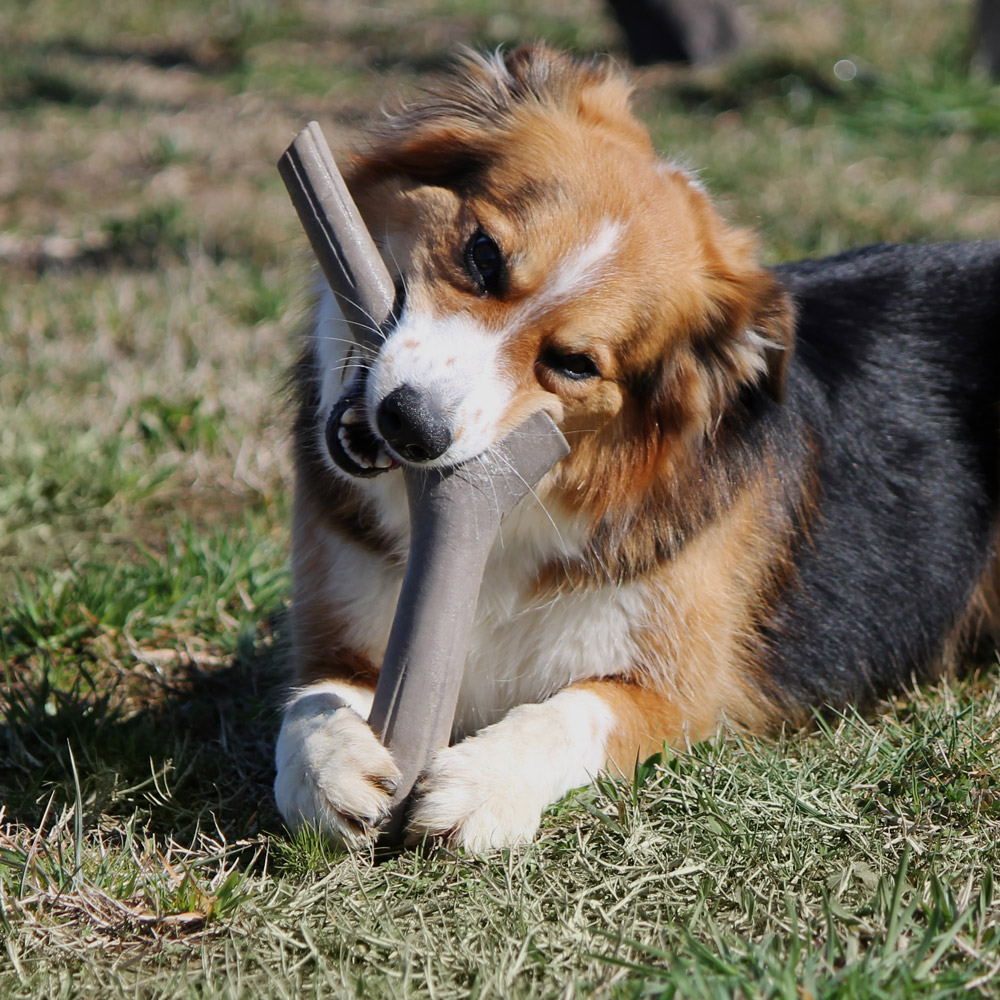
151, 268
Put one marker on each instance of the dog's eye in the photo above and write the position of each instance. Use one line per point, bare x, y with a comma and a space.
484, 261
575, 366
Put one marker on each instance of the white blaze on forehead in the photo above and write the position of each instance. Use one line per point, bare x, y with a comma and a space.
581, 267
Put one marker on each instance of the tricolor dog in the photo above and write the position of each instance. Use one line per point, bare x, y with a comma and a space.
781, 492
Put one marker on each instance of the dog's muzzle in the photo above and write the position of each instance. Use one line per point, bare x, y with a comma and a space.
410, 426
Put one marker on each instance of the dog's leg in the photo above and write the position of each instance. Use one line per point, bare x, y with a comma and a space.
332, 772
489, 790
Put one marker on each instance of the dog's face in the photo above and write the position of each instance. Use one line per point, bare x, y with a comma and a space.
546, 259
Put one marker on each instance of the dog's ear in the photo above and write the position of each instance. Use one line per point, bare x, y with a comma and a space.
594, 90
748, 338
460, 125
774, 324
744, 339
435, 152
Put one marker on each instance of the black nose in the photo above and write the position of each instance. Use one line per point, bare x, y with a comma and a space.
413, 424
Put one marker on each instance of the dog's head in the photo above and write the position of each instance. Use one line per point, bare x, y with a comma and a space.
547, 259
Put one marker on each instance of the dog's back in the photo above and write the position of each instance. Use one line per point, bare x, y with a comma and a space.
895, 388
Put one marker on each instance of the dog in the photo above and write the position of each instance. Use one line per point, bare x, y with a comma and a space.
781, 490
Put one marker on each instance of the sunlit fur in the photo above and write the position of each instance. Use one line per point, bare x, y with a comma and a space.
635, 599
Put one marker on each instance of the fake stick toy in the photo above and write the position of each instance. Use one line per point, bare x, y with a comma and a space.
455, 513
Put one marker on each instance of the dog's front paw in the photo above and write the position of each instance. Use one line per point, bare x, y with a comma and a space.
473, 795
333, 774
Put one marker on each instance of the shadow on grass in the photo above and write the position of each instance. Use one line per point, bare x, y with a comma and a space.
186, 748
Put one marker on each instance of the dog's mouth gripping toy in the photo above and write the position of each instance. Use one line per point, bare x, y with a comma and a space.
455, 513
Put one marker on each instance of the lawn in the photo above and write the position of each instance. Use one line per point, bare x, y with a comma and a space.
152, 282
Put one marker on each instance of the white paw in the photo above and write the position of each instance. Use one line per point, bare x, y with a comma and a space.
457, 802
489, 791
480, 794
333, 774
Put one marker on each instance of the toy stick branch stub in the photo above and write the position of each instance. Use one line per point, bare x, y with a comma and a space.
455, 513
337, 234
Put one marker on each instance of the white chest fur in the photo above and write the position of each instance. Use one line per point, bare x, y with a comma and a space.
523, 648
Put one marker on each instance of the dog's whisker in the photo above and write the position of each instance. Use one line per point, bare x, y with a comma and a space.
356, 325
367, 352
344, 369
372, 327
354, 361
359, 325
387, 244
498, 454
365, 328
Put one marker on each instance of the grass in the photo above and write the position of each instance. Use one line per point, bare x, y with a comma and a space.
152, 286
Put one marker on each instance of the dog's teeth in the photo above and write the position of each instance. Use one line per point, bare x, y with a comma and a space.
345, 443
342, 438
352, 415
383, 461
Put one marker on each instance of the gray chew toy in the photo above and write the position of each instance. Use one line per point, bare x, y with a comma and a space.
455, 513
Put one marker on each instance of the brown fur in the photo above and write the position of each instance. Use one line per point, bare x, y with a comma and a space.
670, 364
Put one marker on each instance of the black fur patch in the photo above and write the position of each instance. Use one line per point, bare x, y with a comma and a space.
895, 381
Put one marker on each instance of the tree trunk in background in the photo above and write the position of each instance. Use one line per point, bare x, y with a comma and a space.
691, 31
988, 36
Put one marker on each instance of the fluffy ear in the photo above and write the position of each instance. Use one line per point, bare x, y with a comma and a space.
461, 123
593, 90
749, 339
746, 339
436, 152
774, 325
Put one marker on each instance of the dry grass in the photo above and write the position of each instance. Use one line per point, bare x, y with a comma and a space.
735, 870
